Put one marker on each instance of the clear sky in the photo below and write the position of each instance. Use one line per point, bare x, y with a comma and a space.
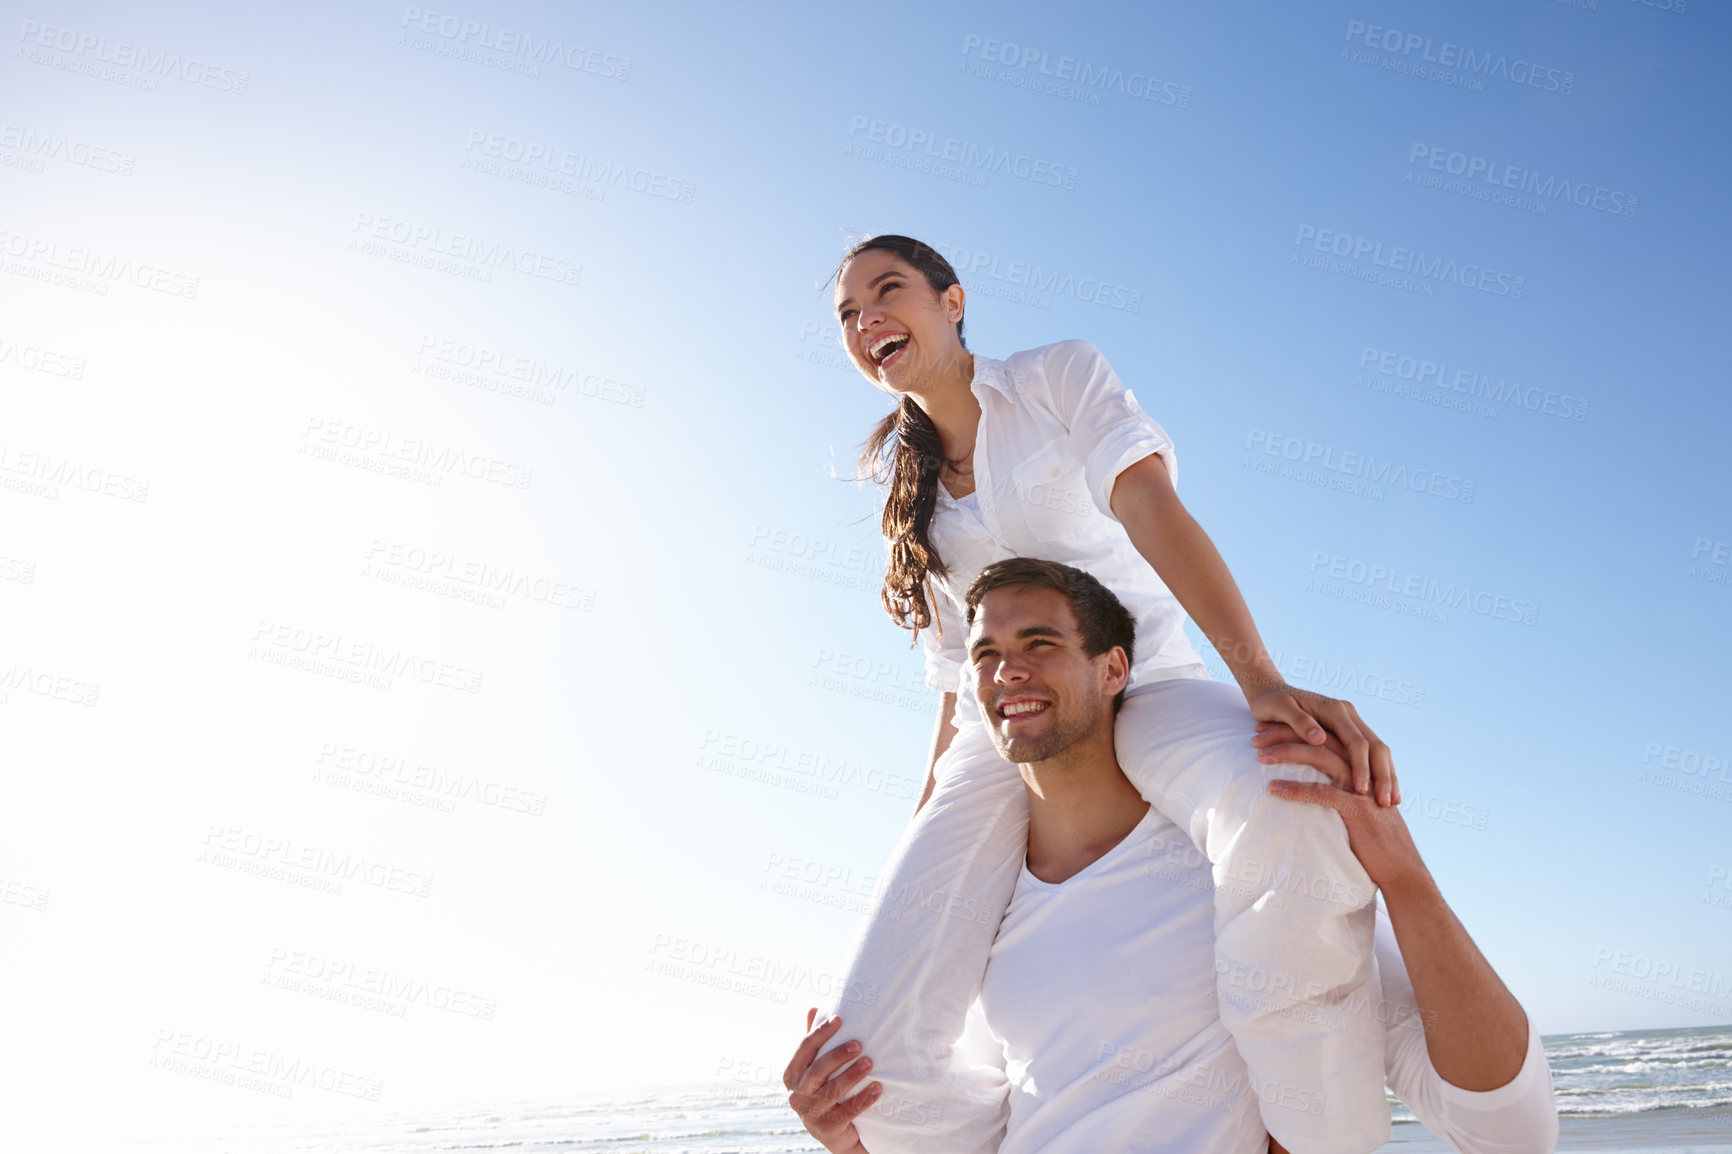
442, 652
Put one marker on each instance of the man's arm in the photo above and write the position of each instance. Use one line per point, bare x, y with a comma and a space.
941, 738
1459, 1050
1476, 1033
816, 1086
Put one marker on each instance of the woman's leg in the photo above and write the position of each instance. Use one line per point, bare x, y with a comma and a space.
919, 957
1294, 913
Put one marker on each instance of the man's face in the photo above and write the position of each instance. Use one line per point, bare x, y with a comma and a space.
1038, 691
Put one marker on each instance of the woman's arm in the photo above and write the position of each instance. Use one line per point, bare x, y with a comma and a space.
1171, 541
941, 738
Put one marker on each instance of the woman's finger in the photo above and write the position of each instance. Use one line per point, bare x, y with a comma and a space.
1345, 725
1287, 710
1382, 771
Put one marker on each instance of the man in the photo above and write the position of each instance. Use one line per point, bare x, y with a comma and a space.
1101, 992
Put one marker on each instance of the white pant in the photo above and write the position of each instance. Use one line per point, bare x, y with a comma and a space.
1294, 916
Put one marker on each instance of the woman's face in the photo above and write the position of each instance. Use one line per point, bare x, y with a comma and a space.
896, 329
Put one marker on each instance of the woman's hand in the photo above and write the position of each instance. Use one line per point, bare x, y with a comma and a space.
1314, 719
816, 1088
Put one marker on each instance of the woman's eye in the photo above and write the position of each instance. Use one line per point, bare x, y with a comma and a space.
843, 319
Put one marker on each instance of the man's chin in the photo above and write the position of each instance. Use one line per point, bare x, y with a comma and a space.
1020, 750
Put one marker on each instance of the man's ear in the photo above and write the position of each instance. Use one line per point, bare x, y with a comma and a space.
1118, 670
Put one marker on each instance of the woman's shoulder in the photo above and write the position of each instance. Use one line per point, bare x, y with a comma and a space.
1053, 357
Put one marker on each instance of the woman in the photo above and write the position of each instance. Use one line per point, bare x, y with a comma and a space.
1047, 454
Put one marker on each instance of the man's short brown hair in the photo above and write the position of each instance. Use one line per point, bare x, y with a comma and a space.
1101, 618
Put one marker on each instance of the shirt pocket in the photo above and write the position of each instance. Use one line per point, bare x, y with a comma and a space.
1050, 490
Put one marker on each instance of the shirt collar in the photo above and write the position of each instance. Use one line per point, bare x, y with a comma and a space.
989, 371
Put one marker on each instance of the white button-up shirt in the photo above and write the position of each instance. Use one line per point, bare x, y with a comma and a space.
1057, 427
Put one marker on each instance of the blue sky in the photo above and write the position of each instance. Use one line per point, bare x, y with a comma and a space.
613, 818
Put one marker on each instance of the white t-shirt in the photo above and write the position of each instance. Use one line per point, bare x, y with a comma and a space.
1100, 999
1057, 427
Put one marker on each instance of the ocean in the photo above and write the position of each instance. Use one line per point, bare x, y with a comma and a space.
1635, 1090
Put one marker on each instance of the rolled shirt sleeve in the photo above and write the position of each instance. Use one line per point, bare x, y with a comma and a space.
1519, 1117
1108, 429
944, 658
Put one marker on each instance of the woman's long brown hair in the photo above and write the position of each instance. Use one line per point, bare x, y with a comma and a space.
904, 451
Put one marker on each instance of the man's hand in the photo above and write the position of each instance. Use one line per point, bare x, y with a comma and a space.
817, 1087
1378, 837
1314, 719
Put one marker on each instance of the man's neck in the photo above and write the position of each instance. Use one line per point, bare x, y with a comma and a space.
1080, 805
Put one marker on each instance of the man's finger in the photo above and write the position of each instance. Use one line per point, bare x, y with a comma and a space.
818, 1073
838, 1087
845, 1112
1315, 756
807, 1050
1275, 733
1315, 793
